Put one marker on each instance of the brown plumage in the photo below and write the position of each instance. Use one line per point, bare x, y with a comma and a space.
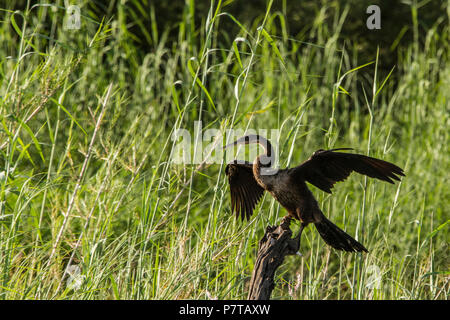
288, 186
245, 191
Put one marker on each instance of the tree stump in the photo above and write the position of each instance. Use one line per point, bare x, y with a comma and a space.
276, 244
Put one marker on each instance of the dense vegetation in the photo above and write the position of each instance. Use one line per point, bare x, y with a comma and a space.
91, 207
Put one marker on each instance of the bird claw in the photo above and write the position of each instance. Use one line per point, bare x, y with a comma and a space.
285, 222
299, 254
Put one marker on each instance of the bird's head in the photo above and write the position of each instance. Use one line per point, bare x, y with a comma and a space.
251, 138
267, 159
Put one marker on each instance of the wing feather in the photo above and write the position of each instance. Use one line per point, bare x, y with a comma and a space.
326, 167
244, 190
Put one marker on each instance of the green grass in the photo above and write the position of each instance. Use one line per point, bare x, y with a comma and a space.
85, 142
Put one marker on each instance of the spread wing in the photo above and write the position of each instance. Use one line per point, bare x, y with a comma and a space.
326, 167
245, 191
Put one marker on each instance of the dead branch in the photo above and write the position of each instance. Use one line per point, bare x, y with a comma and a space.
276, 244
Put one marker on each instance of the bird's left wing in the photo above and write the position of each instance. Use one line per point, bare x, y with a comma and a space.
326, 167
245, 191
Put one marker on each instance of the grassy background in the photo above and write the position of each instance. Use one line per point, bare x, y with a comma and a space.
92, 208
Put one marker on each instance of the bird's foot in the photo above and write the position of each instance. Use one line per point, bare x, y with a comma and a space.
286, 221
295, 247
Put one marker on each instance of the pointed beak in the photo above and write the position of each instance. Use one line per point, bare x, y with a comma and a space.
243, 140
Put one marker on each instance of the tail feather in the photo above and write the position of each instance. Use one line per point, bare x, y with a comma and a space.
336, 237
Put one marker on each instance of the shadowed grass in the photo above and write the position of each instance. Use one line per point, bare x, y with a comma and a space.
87, 120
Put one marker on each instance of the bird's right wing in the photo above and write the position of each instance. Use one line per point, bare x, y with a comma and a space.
326, 167
245, 191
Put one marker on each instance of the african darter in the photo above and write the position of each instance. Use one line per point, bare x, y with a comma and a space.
323, 169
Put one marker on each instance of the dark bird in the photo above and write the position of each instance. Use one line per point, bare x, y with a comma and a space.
323, 169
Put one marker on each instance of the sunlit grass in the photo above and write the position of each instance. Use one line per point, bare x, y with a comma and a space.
86, 138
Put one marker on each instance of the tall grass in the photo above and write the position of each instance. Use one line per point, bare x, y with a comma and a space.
91, 207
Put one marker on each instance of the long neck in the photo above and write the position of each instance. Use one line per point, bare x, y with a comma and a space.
263, 163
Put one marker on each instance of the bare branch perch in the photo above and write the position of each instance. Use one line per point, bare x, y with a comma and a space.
276, 244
